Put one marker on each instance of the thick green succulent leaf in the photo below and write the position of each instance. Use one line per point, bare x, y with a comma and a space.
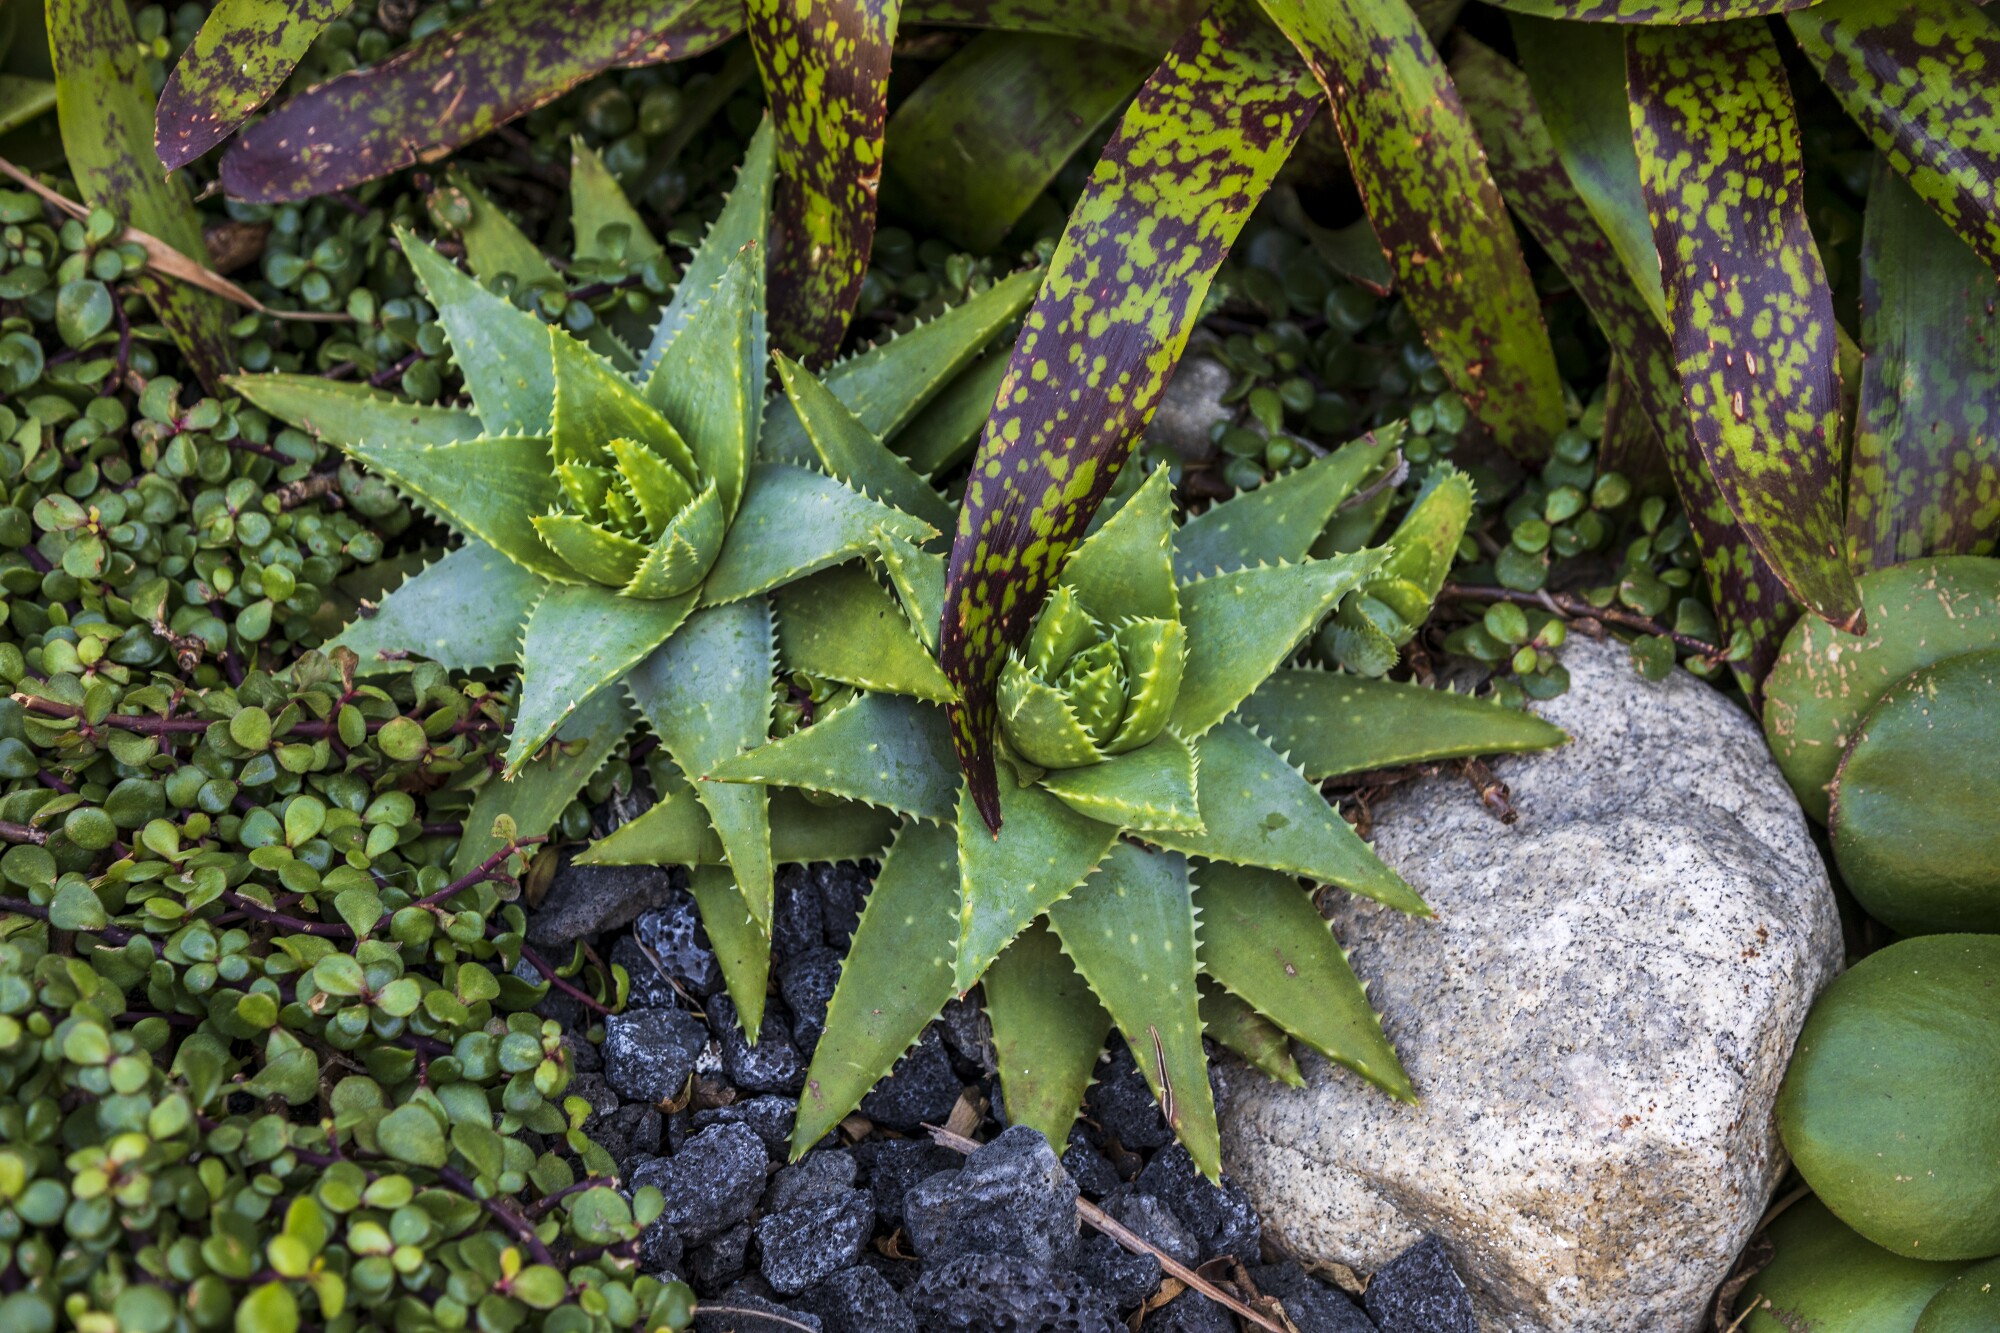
1147, 788
892, 381
595, 405
1422, 548
497, 248
580, 639
1262, 938
1919, 77
741, 941
1257, 811
1044, 850
245, 51
849, 451
884, 749
1748, 304
1130, 930
1192, 156
745, 220
795, 522
455, 85
503, 351
1650, 11
603, 221
676, 832
466, 612
1126, 567
1248, 1034
1278, 522
536, 796
1241, 625
1424, 182
104, 104
597, 554
685, 551
709, 380
842, 625
918, 577
826, 75
1048, 1030
1925, 476
1040, 723
347, 414
491, 489
944, 434
1330, 724
706, 692
985, 134
897, 977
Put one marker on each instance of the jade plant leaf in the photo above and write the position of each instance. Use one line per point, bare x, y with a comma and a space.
535, 797
849, 451
741, 941
1278, 522
881, 748
1010, 878
1424, 182
581, 638
794, 522
1747, 299
842, 625
1196, 150
466, 612
1262, 939
1239, 1028
1330, 724
352, 414
676, 832
1048, 1030
245, 51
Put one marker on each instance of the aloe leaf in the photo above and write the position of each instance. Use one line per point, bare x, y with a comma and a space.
1422, 548
676, 832
245, 51
455, 85
918, 577
1424, 182
943, 435
1257, 811
795, 522
896, 978
709, 380
502, 351
1125, 568
1332, 724
1278, 522
581, 638
744, 220
490, 489
1147, 788
1262, 939
1241, 625
842, 625
741, 941
850, 451
1242, 1030
1925, 477
706, 692
892, 381
347, 414
1130, 930
536, 796
1194, 153
602, 219
984, 135
1918, 75
465, 612
1650, 11
882, 748
1038, 858
104, 105
1048, 1031
1747, 300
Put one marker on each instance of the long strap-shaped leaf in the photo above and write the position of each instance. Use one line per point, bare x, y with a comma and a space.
1923, 78
1649, 11
826, 73
243, 53
1194, 153
1747, 299
1424, 181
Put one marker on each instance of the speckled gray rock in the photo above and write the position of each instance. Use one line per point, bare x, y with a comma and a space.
1596, 1024
588, 900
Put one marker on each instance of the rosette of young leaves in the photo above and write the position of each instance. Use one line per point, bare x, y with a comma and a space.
1080, 692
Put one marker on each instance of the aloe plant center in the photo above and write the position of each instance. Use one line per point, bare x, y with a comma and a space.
636, 516
1081, 692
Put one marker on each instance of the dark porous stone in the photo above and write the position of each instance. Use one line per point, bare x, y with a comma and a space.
589, 900
806, 980
737, 1298
817, 1176
584, 1057
894, 1166
814, 1238
1150, 1220
628, 1134
649, 1053
593, 1089
1312, 1305
843, 891
1004, 1293
798, 914
898, 1273
771, 1117
772, 1065
1420, 1292
711, 1184
1011, 1197
921, 1089
1123, 1104
1191, 1312
1125, 1278
969, 1037
713, 1266
673, 935
1218, 1218
1093, 1174
650, 987
660, 1249
858, 1300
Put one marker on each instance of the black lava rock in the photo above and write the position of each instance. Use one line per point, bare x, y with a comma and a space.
921, 1089
858, 1300
672, 933
1125, 1278
969, 1037
772, 1065
1150, 1220
1004, 1293
628, 1134
1218, 1218
814, 1238
649, 1053
843, 891
737, 1299
1092, 1172
1191, 1312
713, 1266
1312, 1305
798, 918
588, 900
771, 1117
898, 1273
650, 987
711, 1184
1012, 1197
806, 980
894, 1166
816, 1176
660, 1249
1123, 1104
1420, 1292
593, 1089
584, 1057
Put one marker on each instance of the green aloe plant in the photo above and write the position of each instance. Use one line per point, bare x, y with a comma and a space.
1147, 871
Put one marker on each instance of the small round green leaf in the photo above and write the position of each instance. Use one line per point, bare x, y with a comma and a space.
412, 1134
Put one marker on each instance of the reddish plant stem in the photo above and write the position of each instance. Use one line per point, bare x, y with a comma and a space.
542, 966
12, 832
118, 936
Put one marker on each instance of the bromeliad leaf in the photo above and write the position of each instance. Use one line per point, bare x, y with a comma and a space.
1650, 11
1332, 724
882, 749
1048, 1030
245, 51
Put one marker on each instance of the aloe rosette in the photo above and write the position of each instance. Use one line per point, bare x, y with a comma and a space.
1147, 872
